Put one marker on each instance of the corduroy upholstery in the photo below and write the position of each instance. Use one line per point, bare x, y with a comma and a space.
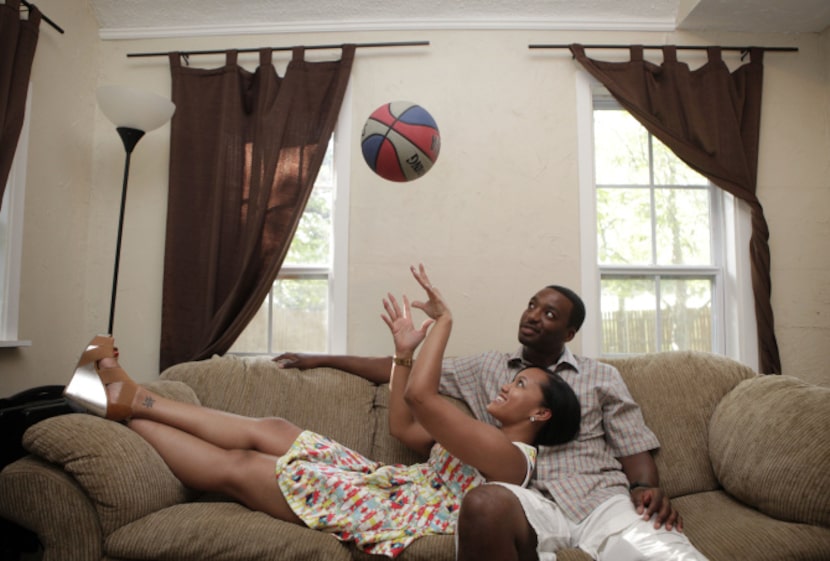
744, 458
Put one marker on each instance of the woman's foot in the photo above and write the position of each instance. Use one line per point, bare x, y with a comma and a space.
97, 369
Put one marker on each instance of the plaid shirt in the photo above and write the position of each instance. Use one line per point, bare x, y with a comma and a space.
581, 474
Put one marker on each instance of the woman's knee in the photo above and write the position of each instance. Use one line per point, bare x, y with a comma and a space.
489, 505
274, 435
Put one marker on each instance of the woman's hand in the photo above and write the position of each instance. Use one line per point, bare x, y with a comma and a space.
404, 334
435, 307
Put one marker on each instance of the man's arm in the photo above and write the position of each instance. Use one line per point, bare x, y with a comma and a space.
374, 369
646, 494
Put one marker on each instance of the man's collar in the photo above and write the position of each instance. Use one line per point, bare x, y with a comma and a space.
566, 361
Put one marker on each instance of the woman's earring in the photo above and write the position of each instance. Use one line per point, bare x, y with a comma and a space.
532, 419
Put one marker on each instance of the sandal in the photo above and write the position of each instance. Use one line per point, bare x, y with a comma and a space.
88, 385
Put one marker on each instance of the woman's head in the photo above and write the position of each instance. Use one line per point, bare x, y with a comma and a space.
566, 414
543, 399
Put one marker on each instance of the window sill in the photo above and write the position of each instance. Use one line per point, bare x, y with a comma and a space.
10, 344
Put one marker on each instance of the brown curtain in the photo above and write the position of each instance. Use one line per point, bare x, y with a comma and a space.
711, 119
18, 39
245, 150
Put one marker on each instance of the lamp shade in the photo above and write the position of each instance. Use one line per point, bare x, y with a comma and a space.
135, 109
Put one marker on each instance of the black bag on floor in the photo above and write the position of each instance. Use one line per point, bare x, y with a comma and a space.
18, 413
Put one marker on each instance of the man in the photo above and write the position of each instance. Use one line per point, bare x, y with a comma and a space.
600, 493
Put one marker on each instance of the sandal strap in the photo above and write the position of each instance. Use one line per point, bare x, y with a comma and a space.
113, 374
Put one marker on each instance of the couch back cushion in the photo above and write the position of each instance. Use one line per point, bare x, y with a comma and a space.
678, 392
770, 444
323, 400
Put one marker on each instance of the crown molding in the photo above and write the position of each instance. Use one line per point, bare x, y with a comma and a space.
114, 34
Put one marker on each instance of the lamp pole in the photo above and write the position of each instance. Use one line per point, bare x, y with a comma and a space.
130, 137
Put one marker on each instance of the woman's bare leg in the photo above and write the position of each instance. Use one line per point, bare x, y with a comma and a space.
247, 476
270, 435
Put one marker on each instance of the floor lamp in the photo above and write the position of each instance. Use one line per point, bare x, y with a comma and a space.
133, 112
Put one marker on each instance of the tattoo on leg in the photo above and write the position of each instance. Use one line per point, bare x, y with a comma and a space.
148, 402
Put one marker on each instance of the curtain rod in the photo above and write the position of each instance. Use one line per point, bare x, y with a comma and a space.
678, 47
46, 19
254, 50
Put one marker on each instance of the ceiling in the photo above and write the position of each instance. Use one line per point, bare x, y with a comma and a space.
159, 18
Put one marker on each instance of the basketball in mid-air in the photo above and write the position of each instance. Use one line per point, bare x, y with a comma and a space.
400, 141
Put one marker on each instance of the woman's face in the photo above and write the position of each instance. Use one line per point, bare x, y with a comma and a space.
521, 398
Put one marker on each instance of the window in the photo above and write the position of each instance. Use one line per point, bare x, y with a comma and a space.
305, 310
661, 266
11, 239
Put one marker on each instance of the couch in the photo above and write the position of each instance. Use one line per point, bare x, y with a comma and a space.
744, 457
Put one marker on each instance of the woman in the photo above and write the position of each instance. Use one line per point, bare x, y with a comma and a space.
324, 485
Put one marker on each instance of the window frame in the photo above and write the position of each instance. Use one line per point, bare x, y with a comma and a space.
13, 204
732, 290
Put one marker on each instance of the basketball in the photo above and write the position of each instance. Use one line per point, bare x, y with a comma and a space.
400, 141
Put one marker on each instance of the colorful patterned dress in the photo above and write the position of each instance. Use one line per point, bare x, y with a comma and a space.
382, 508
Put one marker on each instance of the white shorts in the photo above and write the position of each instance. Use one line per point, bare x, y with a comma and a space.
612, 532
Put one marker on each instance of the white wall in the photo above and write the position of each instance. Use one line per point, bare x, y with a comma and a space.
495, 219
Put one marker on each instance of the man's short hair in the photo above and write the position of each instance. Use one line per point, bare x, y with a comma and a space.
578, 306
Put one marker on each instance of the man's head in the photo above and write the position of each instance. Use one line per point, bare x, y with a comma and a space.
551, 319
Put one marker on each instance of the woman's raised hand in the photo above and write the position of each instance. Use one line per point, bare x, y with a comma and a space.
435, 307
399, 320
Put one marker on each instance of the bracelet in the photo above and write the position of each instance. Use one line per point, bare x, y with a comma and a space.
639, 484
402, 361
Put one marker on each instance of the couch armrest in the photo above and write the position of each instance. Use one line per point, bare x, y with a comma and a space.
46, 500
123, 476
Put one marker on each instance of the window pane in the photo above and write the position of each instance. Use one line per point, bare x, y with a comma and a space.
686, 314
254, 338
624, 226
311, 245
629, 316
683, 226
671, 170
621, 145
629, 323
300, 315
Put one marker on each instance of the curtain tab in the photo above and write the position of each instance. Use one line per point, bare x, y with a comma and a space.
577, 50
669, 53
265, 56
34, 15
298, 54
231, 57
636, 53
347, 50
756, 54
714, 54
175, 59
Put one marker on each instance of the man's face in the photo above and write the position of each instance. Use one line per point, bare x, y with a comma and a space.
544, 323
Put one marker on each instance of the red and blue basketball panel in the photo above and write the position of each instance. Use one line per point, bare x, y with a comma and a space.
400, 141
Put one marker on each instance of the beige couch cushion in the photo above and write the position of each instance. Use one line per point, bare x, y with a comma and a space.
122, 474
223, 530
726, 530
770, 444
326, 401
678, 391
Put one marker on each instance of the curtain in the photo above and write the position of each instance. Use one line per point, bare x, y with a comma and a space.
711, 119
245, 150
18, 39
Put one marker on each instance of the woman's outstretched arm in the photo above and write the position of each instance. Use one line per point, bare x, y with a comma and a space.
474, 442
402, 424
